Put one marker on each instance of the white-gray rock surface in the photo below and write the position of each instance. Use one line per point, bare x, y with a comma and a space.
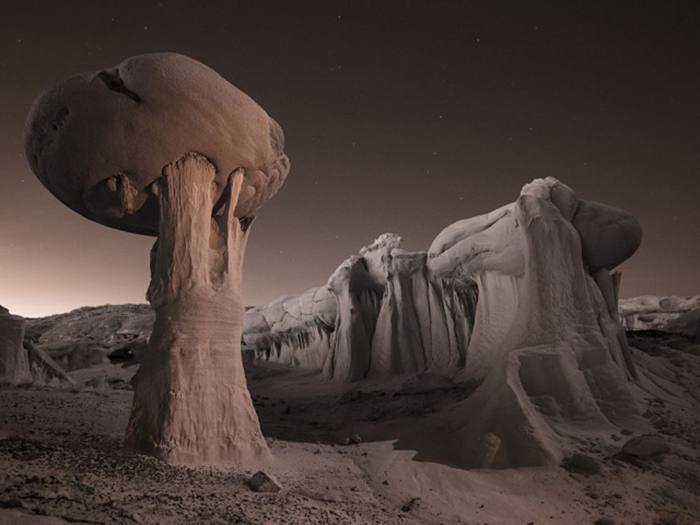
510, 298
482, 288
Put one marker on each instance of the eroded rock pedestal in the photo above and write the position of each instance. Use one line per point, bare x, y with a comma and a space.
116, 146
191, 403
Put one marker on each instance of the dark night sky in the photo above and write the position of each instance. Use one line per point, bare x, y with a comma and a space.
399, 116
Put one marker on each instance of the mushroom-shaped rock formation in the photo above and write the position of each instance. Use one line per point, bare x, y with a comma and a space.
162, 145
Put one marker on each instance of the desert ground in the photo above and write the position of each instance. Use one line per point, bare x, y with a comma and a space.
340, 455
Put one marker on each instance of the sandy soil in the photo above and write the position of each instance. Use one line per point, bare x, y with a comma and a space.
61, 458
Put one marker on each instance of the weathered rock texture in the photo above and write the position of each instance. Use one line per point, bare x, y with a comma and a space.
20, 361
555, 362
520, 298
381, 313
86, 336
107, 325
162, 145
486, 285
191, 403
14, 363
653, 312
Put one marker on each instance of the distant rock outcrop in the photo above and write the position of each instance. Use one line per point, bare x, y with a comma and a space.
105, 325
14, 363
20, 361
654, 312
86, 336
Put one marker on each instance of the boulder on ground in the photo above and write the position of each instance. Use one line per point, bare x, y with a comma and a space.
646, 446
263, 482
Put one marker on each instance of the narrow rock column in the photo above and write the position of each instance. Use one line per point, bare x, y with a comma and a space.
14, 364
191, 402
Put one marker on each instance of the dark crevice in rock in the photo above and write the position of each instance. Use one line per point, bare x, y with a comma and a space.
245, 222
114, 82
59, 118
219, 205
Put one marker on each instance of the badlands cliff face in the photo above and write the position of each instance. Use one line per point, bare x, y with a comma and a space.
520, 299
380, 314
534, 271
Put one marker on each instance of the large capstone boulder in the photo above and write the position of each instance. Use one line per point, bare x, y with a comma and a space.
98, 140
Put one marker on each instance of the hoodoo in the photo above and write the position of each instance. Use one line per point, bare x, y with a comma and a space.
162, 145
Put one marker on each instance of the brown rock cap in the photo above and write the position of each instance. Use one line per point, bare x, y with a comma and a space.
98, 140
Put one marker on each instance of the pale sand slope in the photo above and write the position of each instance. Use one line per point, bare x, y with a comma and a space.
61, 458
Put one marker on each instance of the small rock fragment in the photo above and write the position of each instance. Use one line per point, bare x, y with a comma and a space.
410, 504
356, 438
263, 482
